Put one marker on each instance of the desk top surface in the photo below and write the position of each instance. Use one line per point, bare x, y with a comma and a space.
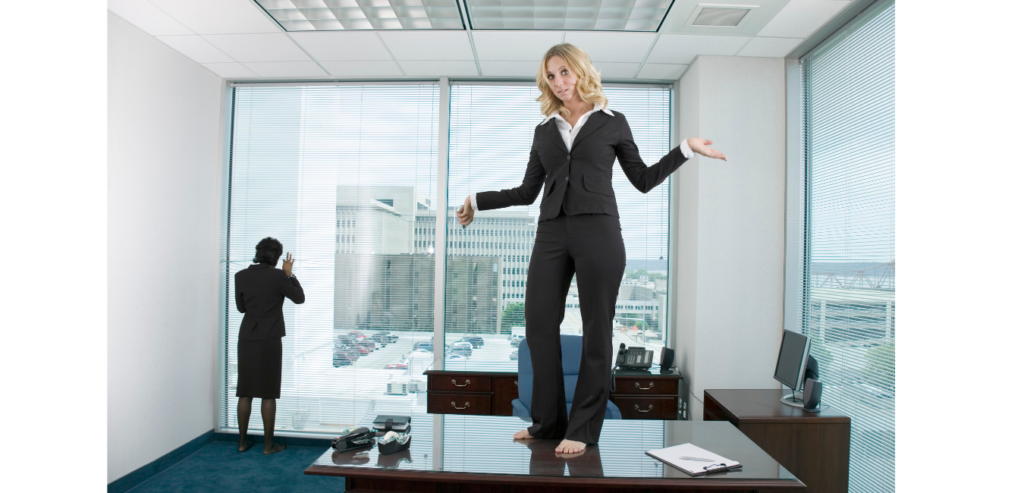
763, 405
483, 446
673, 374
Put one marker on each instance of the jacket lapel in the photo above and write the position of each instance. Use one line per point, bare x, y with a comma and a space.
596, 120
555, 135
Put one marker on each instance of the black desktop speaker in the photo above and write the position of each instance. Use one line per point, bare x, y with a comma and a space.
812, 394
667, 357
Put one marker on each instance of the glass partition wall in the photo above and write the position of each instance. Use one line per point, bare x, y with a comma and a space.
346, 177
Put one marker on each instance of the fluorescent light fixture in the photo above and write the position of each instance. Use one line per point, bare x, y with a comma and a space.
594, 15
341, 15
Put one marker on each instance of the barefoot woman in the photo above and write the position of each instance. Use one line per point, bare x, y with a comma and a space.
578, 232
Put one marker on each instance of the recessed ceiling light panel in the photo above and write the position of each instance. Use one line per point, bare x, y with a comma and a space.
599, 15
706, 15
339, 15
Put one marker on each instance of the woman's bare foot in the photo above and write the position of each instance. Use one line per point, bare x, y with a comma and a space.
570, 456
522, 435
570, 447
242, 447
275, 449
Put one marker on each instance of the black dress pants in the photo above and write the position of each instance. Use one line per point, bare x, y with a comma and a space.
590, 246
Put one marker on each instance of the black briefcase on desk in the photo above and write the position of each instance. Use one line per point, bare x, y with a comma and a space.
354, 438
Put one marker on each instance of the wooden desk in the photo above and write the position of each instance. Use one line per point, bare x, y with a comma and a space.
638, 395
476, 454
814, 446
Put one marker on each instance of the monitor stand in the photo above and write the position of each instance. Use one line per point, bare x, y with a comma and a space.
796, 399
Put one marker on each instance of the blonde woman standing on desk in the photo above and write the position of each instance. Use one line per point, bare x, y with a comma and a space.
578, 232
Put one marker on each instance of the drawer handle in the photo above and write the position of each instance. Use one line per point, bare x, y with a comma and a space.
460, 408
635, 406
457, 385
637, 385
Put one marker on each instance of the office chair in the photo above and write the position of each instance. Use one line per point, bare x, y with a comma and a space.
572, 351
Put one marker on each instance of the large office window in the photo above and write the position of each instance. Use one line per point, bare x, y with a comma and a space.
343, 176
491, 131
849, 278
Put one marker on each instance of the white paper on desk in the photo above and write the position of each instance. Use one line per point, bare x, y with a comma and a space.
672, 456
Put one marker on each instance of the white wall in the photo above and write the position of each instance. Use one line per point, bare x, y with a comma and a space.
164, 207
731, 223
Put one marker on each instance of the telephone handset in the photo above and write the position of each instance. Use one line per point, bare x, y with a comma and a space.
634, 358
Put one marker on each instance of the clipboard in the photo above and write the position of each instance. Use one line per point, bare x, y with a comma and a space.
694, 460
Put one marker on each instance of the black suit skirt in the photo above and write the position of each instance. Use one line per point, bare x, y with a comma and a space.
259, 368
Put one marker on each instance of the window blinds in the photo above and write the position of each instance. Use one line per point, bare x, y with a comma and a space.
491, 131
849, 292
340, 175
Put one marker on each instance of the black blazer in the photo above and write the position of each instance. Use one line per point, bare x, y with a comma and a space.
581, 180
260, 291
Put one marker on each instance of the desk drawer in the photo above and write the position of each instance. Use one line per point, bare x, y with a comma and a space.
459, 403
646, 407
633, 385
459, 383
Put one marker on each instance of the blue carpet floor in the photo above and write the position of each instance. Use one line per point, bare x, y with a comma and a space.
219, 467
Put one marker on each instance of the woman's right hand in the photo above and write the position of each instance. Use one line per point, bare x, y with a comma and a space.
465, 215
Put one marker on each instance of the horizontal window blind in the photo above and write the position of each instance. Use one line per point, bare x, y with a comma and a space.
849, 301
341, 176
491, 132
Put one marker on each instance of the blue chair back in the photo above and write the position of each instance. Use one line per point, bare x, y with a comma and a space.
572, 353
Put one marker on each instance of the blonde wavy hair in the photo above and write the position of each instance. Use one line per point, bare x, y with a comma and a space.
588, 80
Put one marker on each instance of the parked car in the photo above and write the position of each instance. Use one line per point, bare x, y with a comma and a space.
516, 338
344, 339
389, 336
515, 342
476, 341
396, 366
345, 356
381, 339
368, 343
357, 334
363, 349
455, 357
514, 356
427, 345
462, 348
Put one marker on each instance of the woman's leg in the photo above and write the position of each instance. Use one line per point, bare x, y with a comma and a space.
244, 410
269, 411
600, 256
547, 283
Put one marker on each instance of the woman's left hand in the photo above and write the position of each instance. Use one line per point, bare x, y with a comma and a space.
700, 146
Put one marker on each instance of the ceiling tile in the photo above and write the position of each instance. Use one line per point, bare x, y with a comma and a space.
428, 45
147, 17
258, 47
616, 70
612, 47
515, 45
456, 68
684, 12
219, 16
362, 68
663, 71
770, 47
682, 49
800, 18
342, 45
230, 70
196, 48
286, 69
509, 69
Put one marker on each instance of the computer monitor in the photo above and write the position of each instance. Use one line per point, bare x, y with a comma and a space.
792, 365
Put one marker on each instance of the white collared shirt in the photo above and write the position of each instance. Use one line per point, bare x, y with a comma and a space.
569, 133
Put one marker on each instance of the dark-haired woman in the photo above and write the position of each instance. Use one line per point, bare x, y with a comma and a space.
260, 291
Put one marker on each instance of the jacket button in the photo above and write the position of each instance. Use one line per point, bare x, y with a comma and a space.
568, 158
566, 178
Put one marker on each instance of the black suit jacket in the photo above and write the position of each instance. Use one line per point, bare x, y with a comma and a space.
260, 291
581, 180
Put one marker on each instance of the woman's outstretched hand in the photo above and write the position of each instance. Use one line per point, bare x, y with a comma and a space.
465, 213
700, 146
